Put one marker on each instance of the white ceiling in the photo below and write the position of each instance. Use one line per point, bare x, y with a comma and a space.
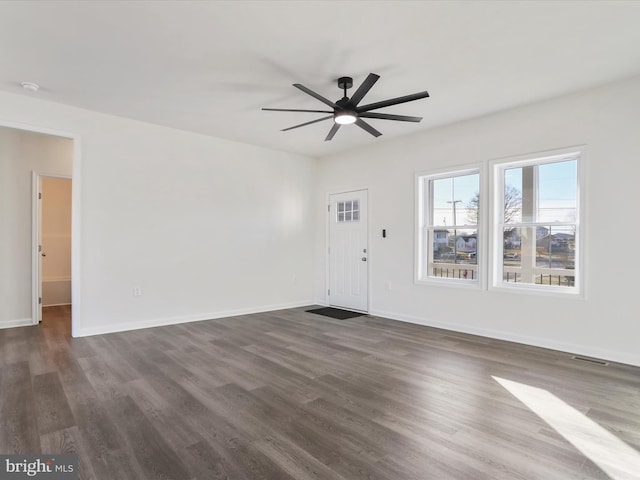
209, 67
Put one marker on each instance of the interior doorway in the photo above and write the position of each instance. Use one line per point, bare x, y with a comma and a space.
27, 153
53, 218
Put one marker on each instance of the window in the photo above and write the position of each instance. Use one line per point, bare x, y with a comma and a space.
349, 211
449, 227
536, 222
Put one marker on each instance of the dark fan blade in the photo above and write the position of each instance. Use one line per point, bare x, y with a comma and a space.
364, 88
393, 101
332, 132
307, 123
387, 116
315, 95
294, 110
365, 126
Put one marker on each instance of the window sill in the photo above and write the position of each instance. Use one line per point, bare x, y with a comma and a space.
448, 282
543, 291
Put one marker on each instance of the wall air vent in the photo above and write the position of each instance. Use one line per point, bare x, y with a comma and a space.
590, 360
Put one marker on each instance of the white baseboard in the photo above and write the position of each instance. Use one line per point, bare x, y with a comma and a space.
57, 279
160, 322
20, 322
589, 351
56, 291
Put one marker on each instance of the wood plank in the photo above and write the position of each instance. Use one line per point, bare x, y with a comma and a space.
68, 442
207, 464
52, 407
154, 456
19, 431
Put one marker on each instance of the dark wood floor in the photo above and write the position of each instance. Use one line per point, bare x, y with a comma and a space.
294, 395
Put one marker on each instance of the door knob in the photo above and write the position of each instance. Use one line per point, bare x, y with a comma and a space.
43, 254
364, 259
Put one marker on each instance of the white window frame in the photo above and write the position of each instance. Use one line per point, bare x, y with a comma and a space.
497, 168
422, 223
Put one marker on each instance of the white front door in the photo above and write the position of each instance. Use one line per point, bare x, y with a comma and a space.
348, 251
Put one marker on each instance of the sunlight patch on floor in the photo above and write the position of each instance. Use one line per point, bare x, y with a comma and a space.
612, 455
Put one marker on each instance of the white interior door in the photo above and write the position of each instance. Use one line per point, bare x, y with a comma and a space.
51, 223
348, 251
40, 253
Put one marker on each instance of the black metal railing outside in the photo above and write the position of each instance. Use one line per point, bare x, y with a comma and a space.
452, 272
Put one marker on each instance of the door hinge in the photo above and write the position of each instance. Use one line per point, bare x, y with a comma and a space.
328, 291
39, 195
39, 248
39, 300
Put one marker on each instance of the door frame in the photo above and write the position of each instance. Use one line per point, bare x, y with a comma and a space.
36, 241
76, 216
327, 276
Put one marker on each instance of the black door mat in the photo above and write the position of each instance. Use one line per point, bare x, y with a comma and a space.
336, 313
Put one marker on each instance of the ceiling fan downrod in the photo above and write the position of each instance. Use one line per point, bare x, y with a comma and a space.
345, 83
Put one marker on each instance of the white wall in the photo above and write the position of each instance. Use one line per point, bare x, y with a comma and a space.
20, 154
603, 324
56, 241
205, 227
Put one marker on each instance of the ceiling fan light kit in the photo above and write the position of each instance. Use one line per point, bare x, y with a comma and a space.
345, 117
347, 111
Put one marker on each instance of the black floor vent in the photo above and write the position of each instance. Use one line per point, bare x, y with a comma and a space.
590, 360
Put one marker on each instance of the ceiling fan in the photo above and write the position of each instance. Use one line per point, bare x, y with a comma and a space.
346, 110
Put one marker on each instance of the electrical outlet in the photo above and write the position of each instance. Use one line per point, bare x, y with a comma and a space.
137, 291
387, 286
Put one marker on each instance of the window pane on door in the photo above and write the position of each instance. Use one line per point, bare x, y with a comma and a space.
348, 211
